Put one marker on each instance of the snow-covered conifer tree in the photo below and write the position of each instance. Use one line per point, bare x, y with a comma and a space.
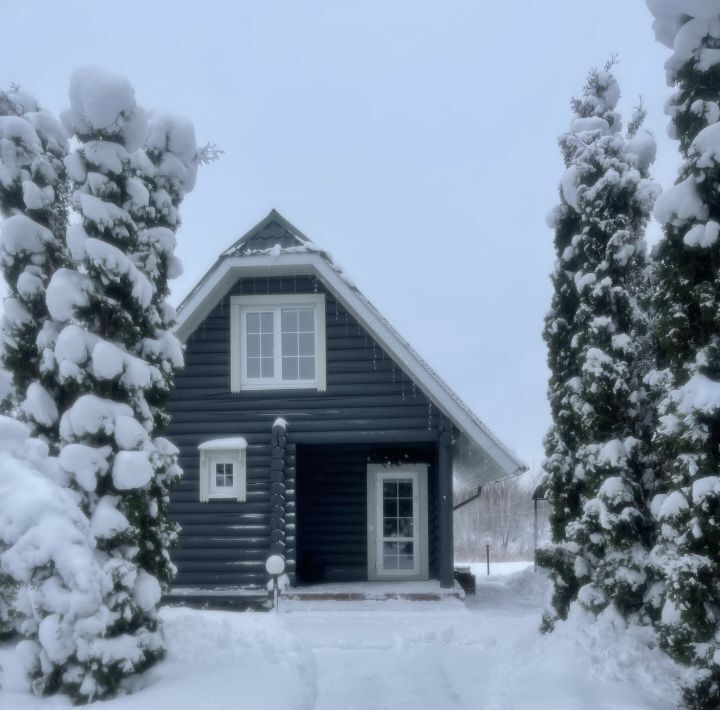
687, 300
167, 167
597, 471
33, 201
106, 304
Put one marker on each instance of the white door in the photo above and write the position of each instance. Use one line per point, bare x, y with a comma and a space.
397, 525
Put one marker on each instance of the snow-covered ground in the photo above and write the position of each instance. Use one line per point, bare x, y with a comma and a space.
484, 654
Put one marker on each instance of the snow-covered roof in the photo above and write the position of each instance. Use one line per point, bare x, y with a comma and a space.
233, 442
276, 247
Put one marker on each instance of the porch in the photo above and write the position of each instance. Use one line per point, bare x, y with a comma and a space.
370, 514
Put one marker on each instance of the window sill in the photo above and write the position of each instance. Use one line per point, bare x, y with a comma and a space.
279, 386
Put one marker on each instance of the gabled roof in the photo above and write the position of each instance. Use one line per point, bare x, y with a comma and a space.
274, 233
276, 247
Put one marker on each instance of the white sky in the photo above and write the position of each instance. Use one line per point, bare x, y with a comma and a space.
415, 141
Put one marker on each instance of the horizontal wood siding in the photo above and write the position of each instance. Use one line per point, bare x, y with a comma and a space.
369, 400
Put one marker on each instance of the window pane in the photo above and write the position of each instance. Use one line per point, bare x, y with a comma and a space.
405, 489
267, 345
390, 548
406, 562
389, 489
289, 368
253, 322
289, 344
266, 322
390, 527
267, 367
307, 368
390, 508
405, 548
307, 344
405, 527
390, 562
289, 320
253, 345
253, 367
405, 507
306, 320
219, 480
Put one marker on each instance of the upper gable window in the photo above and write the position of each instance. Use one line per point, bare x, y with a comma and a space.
277, 342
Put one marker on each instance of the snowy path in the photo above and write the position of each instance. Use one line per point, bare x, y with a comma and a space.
486, 655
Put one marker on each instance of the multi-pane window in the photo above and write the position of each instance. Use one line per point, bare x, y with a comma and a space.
224, 476
281, 341
398, 524
222, 473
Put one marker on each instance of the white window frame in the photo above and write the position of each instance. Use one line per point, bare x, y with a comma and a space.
376, 474
239, 306
223, 451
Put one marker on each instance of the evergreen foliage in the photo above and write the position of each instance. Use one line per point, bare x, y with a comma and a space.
8, 613
598, 467
686, 557
99, 359
33, 201
168, 169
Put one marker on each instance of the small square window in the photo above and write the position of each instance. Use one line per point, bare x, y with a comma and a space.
223, 475
222, 469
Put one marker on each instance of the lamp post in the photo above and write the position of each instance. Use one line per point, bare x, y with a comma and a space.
275, 566
487, 554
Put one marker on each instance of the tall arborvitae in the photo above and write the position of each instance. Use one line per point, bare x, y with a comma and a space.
687, 299
33, 203
598, 471
113, 324
167, 167
33, 200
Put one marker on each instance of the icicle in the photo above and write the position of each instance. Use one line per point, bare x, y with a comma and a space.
414, 389
254, 285
267, 284
336, 310
429, 415
295, 284
393, 371
315, 286
402, 386
374, 357
222, 303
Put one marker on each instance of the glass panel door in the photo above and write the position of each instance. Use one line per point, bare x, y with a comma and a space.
397, 516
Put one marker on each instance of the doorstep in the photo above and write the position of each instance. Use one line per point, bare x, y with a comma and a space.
426, 591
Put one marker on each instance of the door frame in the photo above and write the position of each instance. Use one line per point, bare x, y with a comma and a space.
374, 471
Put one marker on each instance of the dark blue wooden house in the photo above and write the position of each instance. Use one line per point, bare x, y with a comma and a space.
309, 427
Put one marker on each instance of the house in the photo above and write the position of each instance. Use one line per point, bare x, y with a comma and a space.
307, 426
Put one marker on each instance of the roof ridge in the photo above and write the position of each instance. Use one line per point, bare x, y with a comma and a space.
254, 232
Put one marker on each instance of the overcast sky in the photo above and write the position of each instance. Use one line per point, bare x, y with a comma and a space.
415, 141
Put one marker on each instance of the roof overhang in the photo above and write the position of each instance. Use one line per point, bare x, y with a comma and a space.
478, 455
